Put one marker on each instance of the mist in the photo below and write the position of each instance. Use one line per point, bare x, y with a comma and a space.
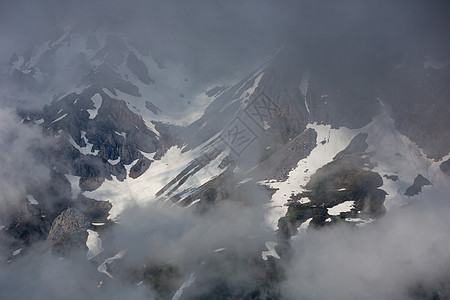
402, 255
218, 247
21, 170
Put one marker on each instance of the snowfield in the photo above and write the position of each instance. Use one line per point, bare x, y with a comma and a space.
384, 145
144, 188
335, 140
94, 244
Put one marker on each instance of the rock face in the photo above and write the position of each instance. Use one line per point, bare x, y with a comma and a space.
347, 179
416, 187
68, 231
445, 167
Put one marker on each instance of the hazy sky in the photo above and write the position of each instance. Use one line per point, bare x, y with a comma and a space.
217, 37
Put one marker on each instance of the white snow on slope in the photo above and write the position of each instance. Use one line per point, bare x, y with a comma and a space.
97, 99
304, 84
245, 95
186, 284
335, 141
74, 185
193, 203
94, 244
181, 102
58, 119
114, 161
271, 251
103, 268
391, 152
143, 189
86, 150
123, 134
304, 226
359, 222
31, 199
301, 231
341, 207
396, 154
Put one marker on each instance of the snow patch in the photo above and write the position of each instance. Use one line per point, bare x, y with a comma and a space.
86, 150
394, 153
304, 84
186, 284
94, 244
302, 229
341, 207
144, 188
304, 200
58, 119
359, 222
334, 141
74, 185
270, 251
193, 203
97, 99
124, 134
245, 95
103, 268
32, 200
114, 161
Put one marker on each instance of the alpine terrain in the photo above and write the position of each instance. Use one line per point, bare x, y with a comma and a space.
143, 158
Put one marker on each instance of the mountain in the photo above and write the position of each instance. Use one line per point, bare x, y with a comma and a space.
304, 143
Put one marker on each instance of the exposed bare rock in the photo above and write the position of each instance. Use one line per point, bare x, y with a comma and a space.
445, 167
280, 163
91, 183
416, 187
68, 231
138, 68
152, 107
140, 167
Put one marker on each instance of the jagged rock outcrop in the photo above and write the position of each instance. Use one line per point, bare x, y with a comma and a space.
68, 231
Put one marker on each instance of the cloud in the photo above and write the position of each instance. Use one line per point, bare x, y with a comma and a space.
20, 168
221, 39
401, 255
152, 235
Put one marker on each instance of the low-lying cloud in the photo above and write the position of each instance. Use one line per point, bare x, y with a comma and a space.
404, 255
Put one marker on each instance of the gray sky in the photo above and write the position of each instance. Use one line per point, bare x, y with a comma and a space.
218, 37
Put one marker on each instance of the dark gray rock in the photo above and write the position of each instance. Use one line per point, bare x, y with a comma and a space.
68, 231
416, 187
445, 167
152, 107
140, 167
280, 163
357, 145
138, 68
